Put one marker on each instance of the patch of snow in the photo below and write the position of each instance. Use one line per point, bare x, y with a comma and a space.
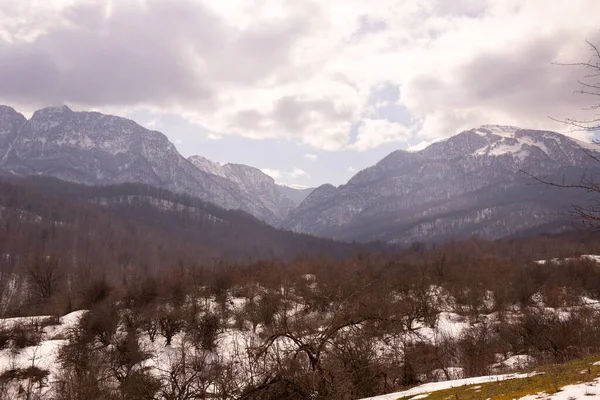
500, 130
453, 373
437, 386
514, 362
505, 148
591, 257
579, 391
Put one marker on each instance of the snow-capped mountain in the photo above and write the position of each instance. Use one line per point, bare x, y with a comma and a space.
97, 149
470, 184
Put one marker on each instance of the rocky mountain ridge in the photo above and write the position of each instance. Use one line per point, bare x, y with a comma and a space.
470, 184
97, 149
254, 183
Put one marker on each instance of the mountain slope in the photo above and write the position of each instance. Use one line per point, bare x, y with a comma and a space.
98, 149
139, 226
470, 184
258, 187
297, 195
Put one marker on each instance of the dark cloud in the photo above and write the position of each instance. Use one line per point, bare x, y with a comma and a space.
293, 115
526, 79
158, 53
522, 82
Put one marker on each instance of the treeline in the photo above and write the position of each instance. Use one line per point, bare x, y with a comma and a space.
314, 327
136, 226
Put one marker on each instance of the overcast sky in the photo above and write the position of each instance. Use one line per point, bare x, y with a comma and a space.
308, 91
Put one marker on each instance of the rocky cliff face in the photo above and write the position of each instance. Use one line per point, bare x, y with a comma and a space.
470, 184
255, 185
97, 149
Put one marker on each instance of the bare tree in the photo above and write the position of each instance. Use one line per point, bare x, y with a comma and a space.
588, 213
589, 85
43, 276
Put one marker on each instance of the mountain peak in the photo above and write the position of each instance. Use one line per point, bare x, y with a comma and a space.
500, 130
61, 109
7, 110
206, 165
468, 184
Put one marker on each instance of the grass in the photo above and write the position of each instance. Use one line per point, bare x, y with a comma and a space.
554, 377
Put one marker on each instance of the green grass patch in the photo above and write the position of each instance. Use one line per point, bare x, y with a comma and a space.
554, 377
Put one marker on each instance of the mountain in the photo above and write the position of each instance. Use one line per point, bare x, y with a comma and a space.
297, 195
97, 149
469, 184
256, 186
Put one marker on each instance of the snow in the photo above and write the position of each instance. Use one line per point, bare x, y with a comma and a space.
511, 145
437, 386
500, 130
504, 148
579, 391
515, 362
44, 355
591, 257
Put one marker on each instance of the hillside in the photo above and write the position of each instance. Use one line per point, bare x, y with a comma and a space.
473, 184
135, 225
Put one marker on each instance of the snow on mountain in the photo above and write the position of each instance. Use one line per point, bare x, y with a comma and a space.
97, 149
469, 184
206, 165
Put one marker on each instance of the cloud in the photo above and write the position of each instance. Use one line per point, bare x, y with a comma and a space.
297, 172
282, 174
152, 124
304, 71
310, 156
351, 169
295, 186
375, 132
420, 146
214, 136
273, 173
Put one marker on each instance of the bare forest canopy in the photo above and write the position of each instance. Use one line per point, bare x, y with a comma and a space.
137, 226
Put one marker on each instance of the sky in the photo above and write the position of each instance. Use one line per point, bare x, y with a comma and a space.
308, 91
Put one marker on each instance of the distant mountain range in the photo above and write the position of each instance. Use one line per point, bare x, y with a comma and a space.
469, 184
97, 149
474, 183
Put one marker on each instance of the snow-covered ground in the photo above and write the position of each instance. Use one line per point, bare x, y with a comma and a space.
420, 391
579, 391
234, 341
570, 392
43, 355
